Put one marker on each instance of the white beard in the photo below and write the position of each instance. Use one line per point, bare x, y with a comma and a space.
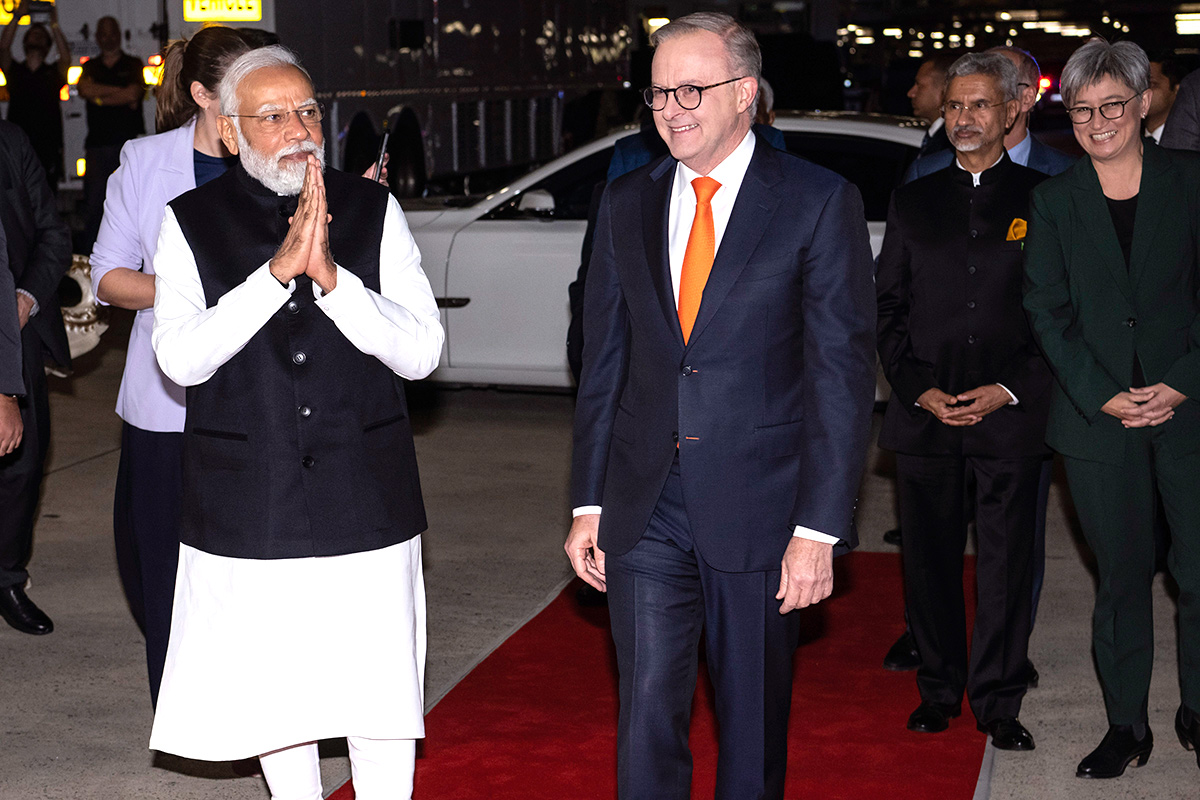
282, 179
965, 147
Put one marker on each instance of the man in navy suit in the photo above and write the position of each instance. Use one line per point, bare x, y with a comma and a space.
722, 417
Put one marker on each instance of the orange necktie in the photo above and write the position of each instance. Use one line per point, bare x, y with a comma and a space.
698, 257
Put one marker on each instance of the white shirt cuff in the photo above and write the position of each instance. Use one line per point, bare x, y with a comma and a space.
33, 311
1014, 400
816, 536
579, 512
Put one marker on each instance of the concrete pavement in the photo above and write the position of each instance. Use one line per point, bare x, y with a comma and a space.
76, 715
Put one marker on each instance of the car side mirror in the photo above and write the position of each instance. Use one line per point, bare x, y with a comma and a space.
537, 202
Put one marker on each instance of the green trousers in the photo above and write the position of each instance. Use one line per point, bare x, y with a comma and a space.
1117, 507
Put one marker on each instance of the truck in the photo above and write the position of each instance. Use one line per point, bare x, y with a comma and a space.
464, 86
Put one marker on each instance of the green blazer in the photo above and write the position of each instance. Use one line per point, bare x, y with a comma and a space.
1091, 315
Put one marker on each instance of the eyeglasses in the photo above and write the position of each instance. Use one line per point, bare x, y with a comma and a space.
954, 108
1081, 115
274, 121
687, 96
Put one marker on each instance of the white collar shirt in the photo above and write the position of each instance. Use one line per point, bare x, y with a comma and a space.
682, 211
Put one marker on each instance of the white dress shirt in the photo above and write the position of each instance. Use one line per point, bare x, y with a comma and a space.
400, 325
680, 214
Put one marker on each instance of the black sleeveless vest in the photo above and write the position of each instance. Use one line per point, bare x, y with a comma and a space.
299, 445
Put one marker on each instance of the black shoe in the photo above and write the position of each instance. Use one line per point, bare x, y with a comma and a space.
21, 613
892, 537
1031, 675
1188, 730
1117, 751
903, 655
1008, 734
931, 717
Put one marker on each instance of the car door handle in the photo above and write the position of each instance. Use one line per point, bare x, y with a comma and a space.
452, 302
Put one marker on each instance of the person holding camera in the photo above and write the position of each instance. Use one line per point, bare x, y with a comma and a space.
34, 84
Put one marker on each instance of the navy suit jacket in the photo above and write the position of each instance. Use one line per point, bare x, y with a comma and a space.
770, 401
1042, 157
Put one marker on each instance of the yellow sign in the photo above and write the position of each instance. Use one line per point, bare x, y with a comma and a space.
222, 10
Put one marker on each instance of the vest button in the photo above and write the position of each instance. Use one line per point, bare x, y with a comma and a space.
305, 411
293, 306
299, 357
308, 461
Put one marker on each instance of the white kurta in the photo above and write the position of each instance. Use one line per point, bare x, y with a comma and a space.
268, 653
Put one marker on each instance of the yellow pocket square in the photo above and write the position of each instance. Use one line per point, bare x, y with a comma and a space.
1016, 231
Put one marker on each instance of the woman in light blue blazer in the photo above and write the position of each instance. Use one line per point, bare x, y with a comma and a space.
154, 170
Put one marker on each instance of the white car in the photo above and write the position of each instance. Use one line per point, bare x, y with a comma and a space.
500, 266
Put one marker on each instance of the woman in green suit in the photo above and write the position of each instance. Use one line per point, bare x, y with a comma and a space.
1112, 278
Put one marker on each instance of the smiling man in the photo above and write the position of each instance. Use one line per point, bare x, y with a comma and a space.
722, 417
290, 302
969, 403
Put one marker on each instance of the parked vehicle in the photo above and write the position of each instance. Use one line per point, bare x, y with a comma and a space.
500, 265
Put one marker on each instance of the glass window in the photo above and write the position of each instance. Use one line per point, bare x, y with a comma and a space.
570, 186
875, 166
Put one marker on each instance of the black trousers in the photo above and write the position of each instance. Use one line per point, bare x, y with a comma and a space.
661, 595
934, 519
146, 532
101, 163
21, 470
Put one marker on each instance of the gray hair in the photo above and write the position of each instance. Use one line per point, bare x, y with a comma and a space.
1027, 67
745, 59
262, 58
1124, 62
992, 65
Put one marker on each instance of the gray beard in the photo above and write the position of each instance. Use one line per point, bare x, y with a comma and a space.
285, 181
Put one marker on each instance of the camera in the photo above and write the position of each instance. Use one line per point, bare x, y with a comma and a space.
39, 11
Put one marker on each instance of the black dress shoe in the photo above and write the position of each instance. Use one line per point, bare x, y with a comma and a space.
1117, 751
892, 537
21, 613
931, 717
1031, 675
1188, 730
1008, 734
903, 655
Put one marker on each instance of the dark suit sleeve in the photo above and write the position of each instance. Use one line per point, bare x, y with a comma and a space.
50, 255
605, 364
1048, 300
1183, 123
838, 307
1184, 375
11, 378
909, 378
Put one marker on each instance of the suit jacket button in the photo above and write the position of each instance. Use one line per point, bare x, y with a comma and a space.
293, 306
971, 340
308, 461
675, 436
974, 234
1131, 322
971, 270
305, 411
970, 304
299, 357
687, 370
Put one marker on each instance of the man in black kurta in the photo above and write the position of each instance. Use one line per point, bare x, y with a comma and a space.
968, 405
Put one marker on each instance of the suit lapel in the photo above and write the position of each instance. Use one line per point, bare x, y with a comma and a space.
752, 212
655, 210
1097, 221
1153, 197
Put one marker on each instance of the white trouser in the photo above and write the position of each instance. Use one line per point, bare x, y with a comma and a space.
382, 769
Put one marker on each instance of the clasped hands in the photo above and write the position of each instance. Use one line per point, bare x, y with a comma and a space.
1144, 407
968, 408
305, 249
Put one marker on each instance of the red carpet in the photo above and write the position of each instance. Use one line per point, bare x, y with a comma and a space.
536, 719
